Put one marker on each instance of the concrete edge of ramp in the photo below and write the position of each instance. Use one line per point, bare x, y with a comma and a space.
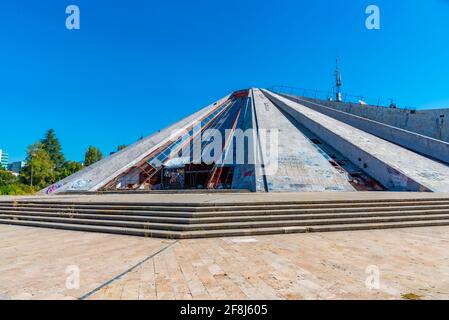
431, 147
395, 167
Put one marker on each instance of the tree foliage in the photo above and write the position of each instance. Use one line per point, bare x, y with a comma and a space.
51, 144
16, 189
62, 167
7, 178
10, 185
69, 168
92, 155
45, 164
39, 170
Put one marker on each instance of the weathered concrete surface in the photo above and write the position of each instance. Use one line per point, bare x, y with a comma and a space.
226, 198
261, 183
36, 264
436, 149
245, 173
431, 123
300, 167
95, 176
395, 167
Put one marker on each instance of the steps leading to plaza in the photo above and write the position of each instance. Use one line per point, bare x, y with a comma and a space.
198, 220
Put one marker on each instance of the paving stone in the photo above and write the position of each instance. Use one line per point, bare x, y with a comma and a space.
33, 264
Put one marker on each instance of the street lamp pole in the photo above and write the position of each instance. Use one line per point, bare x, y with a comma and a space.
33, 154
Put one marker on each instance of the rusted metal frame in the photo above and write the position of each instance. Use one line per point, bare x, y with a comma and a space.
190, 139
157, 150
219, 126
188, 142
231, 136
114, 181
213, 172
216, 173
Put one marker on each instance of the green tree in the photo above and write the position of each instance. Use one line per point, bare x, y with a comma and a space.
92, 155
16, 189
121, 147
39, 170
7, 178
69, 168
10, 185
51, 144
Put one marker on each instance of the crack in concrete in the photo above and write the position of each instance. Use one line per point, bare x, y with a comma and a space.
119, 276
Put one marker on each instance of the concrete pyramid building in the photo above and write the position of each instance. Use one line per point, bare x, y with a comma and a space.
263, 141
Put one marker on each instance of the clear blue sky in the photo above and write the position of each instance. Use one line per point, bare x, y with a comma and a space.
137, 66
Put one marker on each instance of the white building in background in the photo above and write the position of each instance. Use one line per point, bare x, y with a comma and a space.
4, 159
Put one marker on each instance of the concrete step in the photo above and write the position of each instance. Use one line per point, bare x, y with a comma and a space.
148, 212
100, 229
279, 211
195, 220
228, 225
311, 229
221, 219
229, 232
104, 206
206, 207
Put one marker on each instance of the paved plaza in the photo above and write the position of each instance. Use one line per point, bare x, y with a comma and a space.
40, 263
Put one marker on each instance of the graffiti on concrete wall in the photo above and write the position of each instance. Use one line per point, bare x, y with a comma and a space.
398, 179
51, 189
80, 184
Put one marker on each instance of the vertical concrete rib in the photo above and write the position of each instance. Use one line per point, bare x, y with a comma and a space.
300, 166
261, 177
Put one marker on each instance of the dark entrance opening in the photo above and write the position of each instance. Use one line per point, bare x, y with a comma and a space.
197, 175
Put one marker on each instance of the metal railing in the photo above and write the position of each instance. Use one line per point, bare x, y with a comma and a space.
330, 95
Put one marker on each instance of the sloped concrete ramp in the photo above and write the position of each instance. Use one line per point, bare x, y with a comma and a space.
395, 167
300, 167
